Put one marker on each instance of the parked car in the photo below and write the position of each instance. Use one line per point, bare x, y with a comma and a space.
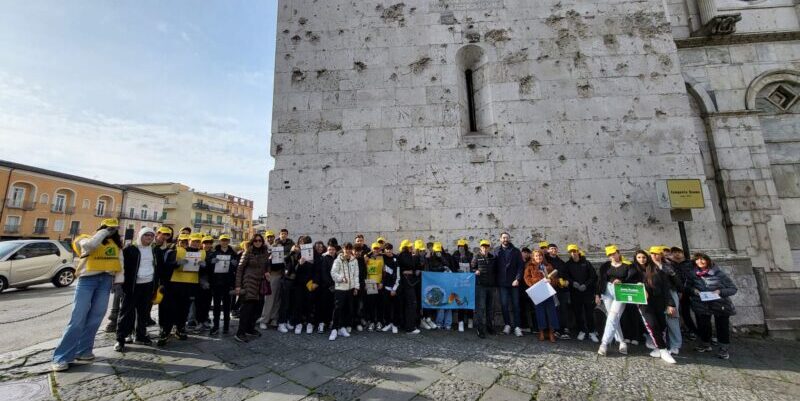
28, 262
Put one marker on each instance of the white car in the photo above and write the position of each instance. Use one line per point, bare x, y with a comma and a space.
28, 262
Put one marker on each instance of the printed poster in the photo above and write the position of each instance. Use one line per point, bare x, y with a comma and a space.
448, 290
277, 255
223, 264
193, 262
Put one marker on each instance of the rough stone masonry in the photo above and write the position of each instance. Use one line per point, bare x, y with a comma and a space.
552, 119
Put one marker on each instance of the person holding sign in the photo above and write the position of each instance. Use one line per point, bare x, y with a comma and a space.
660, 304
99, 266
614, 271
182, 286
460, 261
711, 290
223, 262
345, 277
301, 290
373, 305
539, 269
484, 265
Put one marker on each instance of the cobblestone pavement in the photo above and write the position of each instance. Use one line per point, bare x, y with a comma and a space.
378, 366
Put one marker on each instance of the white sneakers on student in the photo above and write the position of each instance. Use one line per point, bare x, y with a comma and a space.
507, 330
59, 366
416, 331
581, 336
469, 323
603, 350
360, 328
656, 353
386, 328
517, 332
298, 329
262, 326
282, 328
333, 335
343, 332
623, 348
321, 328
593, 337
461, 327
674, 351
394, 329
666, 356
371, 327
309, 328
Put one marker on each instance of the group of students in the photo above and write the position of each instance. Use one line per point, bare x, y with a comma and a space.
331, 288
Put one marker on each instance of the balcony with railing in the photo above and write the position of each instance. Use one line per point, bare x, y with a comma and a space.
11, 228
128, 216
61, 209
20, 204
103, 214
207, 222
205, 206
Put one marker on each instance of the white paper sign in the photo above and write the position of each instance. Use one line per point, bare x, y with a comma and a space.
223, 263
706, 296
193, 262
277, 255
371, 286
540, 291
307, 252
464, 267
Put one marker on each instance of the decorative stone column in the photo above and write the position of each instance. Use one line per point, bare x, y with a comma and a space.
713, 22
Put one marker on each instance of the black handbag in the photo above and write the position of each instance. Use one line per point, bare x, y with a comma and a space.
722, 307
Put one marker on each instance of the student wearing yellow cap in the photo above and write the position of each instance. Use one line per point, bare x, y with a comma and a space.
584, 280
373, 300
202, 301
99, 266
392, 314
460, 262
222, 264
178, 292
437, 262
562, 290
408, 265
675, 282
484, 265
614, 271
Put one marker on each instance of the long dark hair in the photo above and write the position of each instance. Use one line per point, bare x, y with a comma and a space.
111, 237
251, 248
650, 269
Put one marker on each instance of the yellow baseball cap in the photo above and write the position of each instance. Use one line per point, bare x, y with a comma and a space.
437, 246
196, 237
269, 233
380, 239
485, 242
461, 242
164, 230
656, 249
110, 223
183, 237
405, 244
376, 245
611, 249
419, 245
208, 238
572, 247
224, 237
543, 244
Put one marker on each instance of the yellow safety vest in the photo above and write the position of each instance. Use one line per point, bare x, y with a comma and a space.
375, 269
180, 276
105, 258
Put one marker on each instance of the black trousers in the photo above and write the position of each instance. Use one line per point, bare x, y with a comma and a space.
134, 308
582, 309
343, 308
655, 323
323, 306
248, 314
373, 310
722, 324
526, 309
174, 307
686, 313
202, 304
391, 307
285, 310
564, 310
408, 296
631, 323
221, 297
301, 305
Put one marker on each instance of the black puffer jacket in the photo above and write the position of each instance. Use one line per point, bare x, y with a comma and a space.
712, 279
487, 266
583, 273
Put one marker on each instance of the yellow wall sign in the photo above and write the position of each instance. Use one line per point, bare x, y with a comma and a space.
685, 194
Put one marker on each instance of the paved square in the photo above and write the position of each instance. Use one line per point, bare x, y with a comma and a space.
430, 366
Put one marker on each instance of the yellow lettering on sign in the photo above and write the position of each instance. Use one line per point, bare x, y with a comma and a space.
685, 194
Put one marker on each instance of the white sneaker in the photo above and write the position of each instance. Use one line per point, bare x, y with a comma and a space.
623, 348
332, 336
674, 351
656, 353
360, 328
321, 328
581, 336
424, 324
593, 337
518, 332
387, 328
349, 329
461, 327
371, 327
309, 328
667, 357
469, 323
394, 329
262, 326
298, 329
378, 326
289, 326
259, 320
603, 350
507, 330
59, 366
416, 331
343, 332
282, 328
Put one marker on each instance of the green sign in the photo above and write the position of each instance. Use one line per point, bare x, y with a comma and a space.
630, 293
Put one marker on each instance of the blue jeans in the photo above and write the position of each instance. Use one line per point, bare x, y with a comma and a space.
674, 325
546, 314
444, 318
88, 308
511, 293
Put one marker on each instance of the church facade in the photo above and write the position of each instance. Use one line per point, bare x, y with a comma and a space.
551, 119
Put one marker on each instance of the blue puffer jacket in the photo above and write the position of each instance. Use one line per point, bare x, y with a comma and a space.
711, 280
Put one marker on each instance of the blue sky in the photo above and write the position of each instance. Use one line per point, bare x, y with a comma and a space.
144, 91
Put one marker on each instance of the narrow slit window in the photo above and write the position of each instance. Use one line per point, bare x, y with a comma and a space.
473, 124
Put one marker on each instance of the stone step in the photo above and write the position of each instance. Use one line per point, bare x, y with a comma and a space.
786, 327
785, 303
